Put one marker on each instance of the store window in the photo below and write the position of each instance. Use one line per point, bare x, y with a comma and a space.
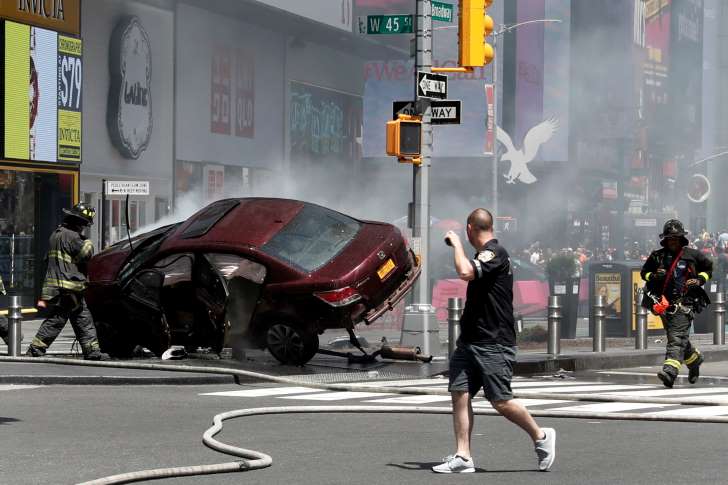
32, 204
116, 223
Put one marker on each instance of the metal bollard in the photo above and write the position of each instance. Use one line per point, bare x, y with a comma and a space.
640, 338
14, 333
554, 325
599, 342
719, 329
454, 311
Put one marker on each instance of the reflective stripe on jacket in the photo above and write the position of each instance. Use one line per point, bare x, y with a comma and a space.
67, 251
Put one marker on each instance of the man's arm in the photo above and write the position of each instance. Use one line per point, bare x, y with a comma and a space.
463, 265
704, 267
649, 268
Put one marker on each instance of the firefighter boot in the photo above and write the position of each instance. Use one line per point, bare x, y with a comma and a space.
693, 362
669, 371
34, 351
96, 355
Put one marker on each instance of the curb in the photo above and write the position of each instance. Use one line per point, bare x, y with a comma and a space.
123, 380
602, 360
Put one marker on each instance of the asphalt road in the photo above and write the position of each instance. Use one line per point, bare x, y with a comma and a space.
68, 434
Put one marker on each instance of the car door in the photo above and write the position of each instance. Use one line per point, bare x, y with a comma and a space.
142, 306
244, 280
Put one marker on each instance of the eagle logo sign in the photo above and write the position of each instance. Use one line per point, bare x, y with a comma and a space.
536, 136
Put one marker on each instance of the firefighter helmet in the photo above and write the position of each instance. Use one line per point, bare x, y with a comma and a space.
673, 228
82, 211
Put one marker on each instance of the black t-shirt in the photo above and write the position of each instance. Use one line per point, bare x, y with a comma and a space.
488, 314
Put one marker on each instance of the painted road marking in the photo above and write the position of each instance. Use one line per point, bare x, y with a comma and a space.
264, 392
611, 407
700, 411
589, 388
334, 396
412, 400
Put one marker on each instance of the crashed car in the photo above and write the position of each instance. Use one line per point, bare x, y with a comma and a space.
271, 273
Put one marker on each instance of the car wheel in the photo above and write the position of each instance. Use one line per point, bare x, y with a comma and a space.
114, 342
290, 344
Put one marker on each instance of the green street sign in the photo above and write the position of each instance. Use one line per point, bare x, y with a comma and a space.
442, 11
386, 24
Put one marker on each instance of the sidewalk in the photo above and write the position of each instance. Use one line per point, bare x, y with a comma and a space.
576, 355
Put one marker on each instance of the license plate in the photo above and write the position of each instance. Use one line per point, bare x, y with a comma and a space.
385, 269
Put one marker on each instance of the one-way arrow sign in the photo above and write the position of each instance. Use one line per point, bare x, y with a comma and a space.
431, 85
443, 112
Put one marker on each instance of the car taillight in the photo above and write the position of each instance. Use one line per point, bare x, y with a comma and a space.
340, 297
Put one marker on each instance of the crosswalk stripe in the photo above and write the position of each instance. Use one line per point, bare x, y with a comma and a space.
588, 388
411, 399
412, 382
699, 411
611, 407
673, 392
16, 387
334, 396
520, 384
263, 392
540, 402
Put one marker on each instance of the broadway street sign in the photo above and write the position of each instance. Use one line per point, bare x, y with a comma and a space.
441, 11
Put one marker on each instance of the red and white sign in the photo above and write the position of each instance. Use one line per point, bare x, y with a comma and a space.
490, 122
214, 182
245, 94
220, 92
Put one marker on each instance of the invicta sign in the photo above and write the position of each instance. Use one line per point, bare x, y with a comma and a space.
44, 8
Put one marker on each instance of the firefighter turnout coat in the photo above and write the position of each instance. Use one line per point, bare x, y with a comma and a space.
68, 254
692, 264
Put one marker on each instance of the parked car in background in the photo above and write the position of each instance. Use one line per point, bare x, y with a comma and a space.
272, 273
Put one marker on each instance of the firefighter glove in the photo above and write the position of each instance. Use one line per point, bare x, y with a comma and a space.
658, 275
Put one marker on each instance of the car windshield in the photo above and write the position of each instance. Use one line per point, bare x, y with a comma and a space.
313, 238
146, 245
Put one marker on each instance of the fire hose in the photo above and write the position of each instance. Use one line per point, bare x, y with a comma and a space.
252, 460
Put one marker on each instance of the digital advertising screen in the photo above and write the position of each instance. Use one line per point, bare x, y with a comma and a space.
42, 95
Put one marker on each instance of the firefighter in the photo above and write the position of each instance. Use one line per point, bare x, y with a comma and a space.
674, 278
65, 281
3, 320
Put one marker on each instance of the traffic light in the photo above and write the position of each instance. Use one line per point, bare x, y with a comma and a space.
404, 138
475, 26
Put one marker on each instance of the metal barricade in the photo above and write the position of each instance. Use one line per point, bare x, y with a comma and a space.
454, 312
719, 328
14, 333
554, 325
599, 342
640, 336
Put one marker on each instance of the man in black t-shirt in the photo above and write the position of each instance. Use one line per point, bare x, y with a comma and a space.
486, 349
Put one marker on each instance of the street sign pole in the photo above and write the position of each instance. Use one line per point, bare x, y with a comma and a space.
421, 173
494, 173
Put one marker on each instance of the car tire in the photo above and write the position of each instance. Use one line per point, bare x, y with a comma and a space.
291, 344
114, 342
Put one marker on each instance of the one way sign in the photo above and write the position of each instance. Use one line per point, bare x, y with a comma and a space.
443, 112
431, 85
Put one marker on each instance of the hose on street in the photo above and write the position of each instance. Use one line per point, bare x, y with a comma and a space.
252, 460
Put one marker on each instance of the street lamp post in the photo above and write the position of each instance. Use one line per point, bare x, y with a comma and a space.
502, 29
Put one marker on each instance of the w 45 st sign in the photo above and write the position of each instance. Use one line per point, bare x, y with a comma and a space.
386, 24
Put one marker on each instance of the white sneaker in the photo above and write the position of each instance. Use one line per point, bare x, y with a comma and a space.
455, 464
546, 450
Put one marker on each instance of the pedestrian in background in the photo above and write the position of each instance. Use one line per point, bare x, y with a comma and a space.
64, 285
3, 319
486, 349
674, 277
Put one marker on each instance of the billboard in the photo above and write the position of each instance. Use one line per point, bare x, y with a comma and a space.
42, 96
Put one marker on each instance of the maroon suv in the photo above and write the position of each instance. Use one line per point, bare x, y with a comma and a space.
273, 273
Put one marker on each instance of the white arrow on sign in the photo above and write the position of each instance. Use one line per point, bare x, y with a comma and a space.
429, 86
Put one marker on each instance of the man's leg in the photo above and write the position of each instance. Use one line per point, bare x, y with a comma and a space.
4, 329
83, 327
677, 327
693, 357
462, 417
49, 329
516, 412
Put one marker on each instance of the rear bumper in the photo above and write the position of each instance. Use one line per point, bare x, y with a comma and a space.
398, 294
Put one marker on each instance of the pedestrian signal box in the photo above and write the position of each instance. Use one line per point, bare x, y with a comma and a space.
404, 138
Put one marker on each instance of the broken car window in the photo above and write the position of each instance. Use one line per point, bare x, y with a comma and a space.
230, 266
313, 238
177, 268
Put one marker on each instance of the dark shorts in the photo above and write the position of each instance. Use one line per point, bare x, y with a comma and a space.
486, 366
